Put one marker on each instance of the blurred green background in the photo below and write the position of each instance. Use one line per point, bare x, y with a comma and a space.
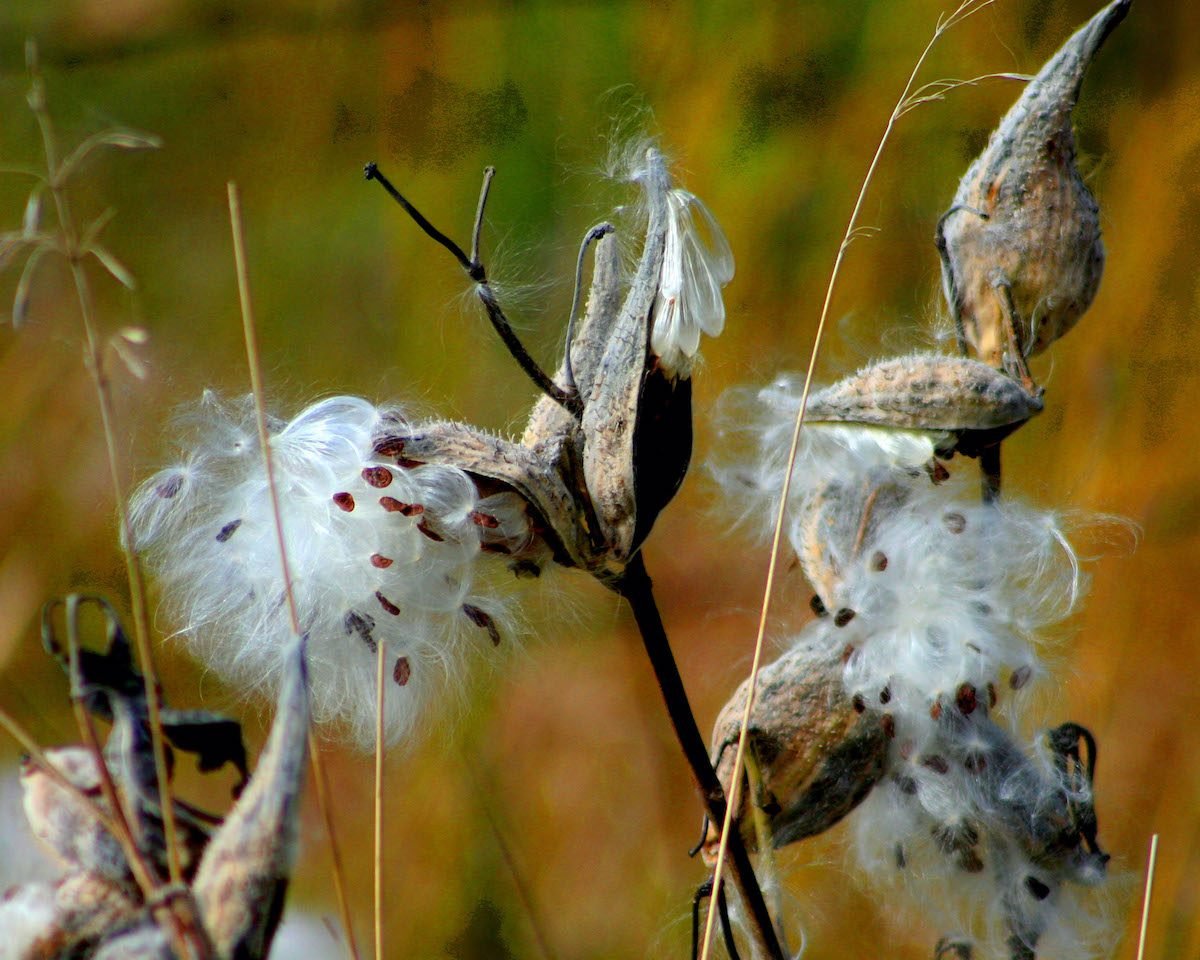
772, 114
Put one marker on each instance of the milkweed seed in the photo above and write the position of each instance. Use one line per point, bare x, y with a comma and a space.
955, 522
879, 561
424, 527
401, 671
1020, 677
228, 530
936, 763
966, 699
380, 561
817, 606
907, 786
344, 500
843, 617
484, 520
885, 695
1037, 889
361, 624
378, 477
387, 604
392, 505
975, 763
390, 447
937, 472
169, 487
992, 695
858, 703
483, 619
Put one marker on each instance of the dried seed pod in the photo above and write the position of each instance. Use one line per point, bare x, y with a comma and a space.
968, 401
817, 754
1020, 244
836, 524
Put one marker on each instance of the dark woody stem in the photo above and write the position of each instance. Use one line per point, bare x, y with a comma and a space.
635, 586
475, 270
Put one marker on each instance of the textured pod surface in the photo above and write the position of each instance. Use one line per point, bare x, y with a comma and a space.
818, 757
926, 392
835, 524
1024, 218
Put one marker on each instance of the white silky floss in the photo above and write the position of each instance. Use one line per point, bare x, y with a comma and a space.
377, 553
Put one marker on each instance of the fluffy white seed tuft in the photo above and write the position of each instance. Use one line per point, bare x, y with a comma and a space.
379, 550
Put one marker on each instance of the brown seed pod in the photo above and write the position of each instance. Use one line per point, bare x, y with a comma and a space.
965, 399
1021, 250
817, 753
836, 524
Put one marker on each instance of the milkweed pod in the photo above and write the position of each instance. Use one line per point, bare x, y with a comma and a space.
817, 754
928, 391
1020, 244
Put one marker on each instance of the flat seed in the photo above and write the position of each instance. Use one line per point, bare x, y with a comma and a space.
424, 527
879, 561
1020, 677
392, 505
484, 520
843, 617
228, 530
378, 477
966, 699
344, 500
380, 561
402, 671
483, 619
955, 522
387, 604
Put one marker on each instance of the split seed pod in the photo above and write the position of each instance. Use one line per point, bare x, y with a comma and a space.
972, 405
817, 755
1021, 250
597, 483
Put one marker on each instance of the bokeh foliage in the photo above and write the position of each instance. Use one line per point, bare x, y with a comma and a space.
772, 113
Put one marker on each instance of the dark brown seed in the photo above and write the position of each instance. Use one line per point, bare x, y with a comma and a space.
390, 447
992, 695
1020, 677
525, 569
1037, 889
879, 561
936, 763
975, 763
969, 862
843, 617
817, 606
401, 671
955, 522
907, 786
858, 703
169, 487
935, 711
484, 520
888, 723
361, 624
392, 505
937, 471
424, 527
483, 619
228, 530
387, 604
344, 500
380, 561
966, 699
885, 695
378, 477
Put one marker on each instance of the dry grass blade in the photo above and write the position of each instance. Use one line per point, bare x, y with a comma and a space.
1151, 862
381, 656
252, 359
964, 10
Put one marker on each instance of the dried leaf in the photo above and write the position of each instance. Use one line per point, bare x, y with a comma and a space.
113, 266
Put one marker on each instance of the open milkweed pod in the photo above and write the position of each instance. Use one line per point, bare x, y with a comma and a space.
1021, 250
969, 404
598, 483
817, 754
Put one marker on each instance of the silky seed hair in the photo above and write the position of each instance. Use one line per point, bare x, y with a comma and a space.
379, 551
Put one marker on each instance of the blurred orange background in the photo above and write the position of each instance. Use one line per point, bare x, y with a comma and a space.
772, 115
